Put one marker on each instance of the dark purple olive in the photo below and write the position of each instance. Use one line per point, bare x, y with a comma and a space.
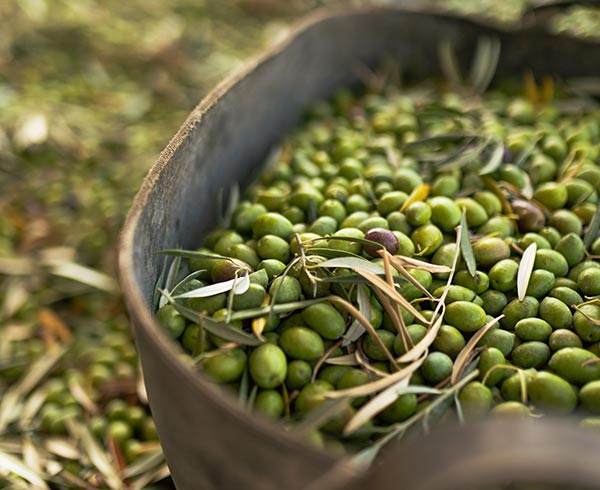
383, 237
507, 156
529, 216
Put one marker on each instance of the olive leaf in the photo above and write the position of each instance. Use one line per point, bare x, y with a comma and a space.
383, 400
352, 263
592, 230
144, 464
11, 464
495, 159
356, 329
379, 384
525, 270
238, 285
95, 454
345, 360
465, 246
449, 63
484, 63
366, 323
418, 194
222, 330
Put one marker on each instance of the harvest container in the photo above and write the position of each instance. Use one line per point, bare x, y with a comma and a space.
208, 440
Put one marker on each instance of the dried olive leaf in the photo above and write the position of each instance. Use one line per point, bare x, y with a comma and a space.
11, 464
383, 400
238, 285
525, 270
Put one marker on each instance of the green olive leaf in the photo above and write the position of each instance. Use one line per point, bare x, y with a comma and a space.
223, 330
592, 231
494, 161
465, 246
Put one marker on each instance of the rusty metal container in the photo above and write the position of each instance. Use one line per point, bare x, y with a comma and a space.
209, 441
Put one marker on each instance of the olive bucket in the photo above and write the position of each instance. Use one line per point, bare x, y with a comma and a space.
211, 442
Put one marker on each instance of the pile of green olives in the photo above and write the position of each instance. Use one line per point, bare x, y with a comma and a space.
399, 170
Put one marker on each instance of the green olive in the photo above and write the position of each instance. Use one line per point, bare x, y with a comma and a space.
475, 399
172, 321
268, 366
436, 367
465, 316
576, 365
586, 322
269, 403
551, 393
427, 239
503, 275
302, 343
325, 319
225, 367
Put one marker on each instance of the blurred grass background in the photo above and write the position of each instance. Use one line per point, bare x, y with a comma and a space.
90, 91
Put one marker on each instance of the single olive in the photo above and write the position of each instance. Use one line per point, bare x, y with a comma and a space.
510, 409
268, 366
311, 396
529, 216
415, 332
479, 283
488, 359
325, 320
386, 238
533, 329
427, 239
588, 282
269, 403
476, 215
272, 224
551, 393
556, 313
499, 338
171, 320
449, 340
576, 365
285, 289
298, 374
494, 301
561, 338
541, 282
418, 213
302, 343
390, 202
445, 213
227, 366
465, 316
401, 409
552, 261
436, 367
531, 354
586, 322
589, 395
475, 399
349, 243
553, 195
